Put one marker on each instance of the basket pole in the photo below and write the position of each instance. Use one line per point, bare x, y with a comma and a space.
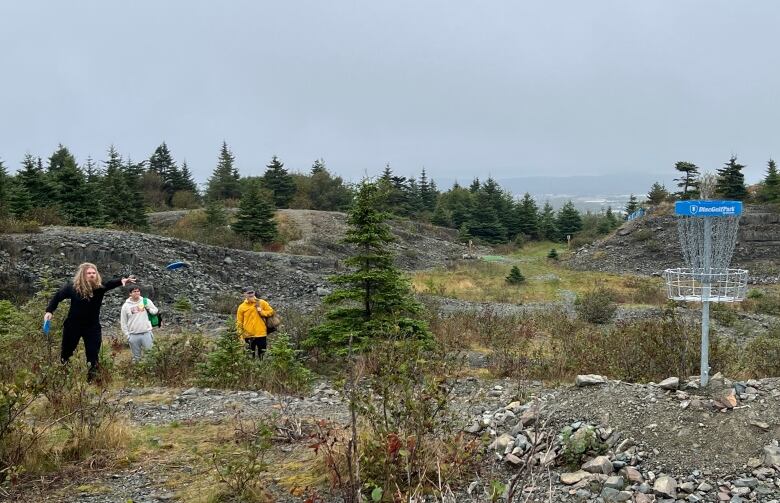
705, 307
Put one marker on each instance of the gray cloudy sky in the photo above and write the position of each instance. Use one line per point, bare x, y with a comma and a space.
464, 89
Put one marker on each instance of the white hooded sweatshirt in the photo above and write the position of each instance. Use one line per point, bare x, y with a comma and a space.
134, 318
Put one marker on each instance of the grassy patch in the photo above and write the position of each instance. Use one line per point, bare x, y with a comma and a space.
484, 280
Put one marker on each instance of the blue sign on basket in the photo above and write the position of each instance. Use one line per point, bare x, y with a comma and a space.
708, 208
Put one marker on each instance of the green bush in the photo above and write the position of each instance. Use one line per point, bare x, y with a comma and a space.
173, 360
182, 304
281, 370
596, 306
228, 365
553, 254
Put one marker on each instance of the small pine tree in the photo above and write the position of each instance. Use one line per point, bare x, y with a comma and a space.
688, 181
228, 366
373, 300
731, 181
548, 228
215, 214
569, 221
279, 182
20, 202
553, 254
632, 205
224, 181
255, 219
770, 187
657, 194
515, 276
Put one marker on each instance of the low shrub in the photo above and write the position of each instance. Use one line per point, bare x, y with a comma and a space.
281, 370
762, 355
579, 444
228, 365
596, 306
515, 277
12, 225
173, 359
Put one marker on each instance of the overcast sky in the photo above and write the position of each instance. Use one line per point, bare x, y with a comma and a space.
464, 89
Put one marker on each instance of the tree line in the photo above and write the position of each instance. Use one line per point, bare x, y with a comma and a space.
728, 182
118, 192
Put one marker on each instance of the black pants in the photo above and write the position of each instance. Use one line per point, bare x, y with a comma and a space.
93, 337
255, 346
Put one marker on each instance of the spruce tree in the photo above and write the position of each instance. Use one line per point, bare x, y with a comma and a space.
632, 205
187, 180
162, 164
569, 221
770, 187
224, 181
515, 277
528, 216
318, 167
484, 222
553, 254
428, 194
69, 188
19, 202
255, 219
657, 194
688, 181
33, 179
279, 182
611, 219
373, 300
731, 181
548, 228
118, 196
5, 190
215, 214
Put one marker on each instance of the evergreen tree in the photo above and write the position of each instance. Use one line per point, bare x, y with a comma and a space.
657, 194
515, 277
548, 227
632, 205
731, 181
484, 222
5, 189
162, 164
688, 181
280, 182
770, 188
71, 195
611, 219
318, 167
118, 196
255, 219
61, 159
224, 181
20, 202
553, 254
94, 185
187, 180
326, 192
475, 185
569, 221
427, 193
33, 179
528, 216
373, 300
215, 214
441, 217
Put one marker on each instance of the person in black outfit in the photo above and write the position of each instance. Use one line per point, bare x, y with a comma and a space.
85, 292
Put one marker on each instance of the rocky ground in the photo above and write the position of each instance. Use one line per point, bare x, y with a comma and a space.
650, 244
665, 442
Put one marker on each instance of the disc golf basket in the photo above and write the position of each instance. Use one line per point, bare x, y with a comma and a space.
708, 234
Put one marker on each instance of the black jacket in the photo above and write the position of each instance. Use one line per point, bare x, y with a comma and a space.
83, 312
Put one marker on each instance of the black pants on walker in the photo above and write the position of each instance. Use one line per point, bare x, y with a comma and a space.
93, 337
255, 346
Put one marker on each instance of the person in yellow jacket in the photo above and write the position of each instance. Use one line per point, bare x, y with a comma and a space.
250, 322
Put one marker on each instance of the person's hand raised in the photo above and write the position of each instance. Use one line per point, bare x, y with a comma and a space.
129, 279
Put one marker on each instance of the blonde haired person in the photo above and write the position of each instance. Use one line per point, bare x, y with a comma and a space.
250, 322
85, 292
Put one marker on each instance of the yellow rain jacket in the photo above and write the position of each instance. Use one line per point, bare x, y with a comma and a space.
248, 320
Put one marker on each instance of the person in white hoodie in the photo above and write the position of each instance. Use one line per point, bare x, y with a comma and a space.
135, 322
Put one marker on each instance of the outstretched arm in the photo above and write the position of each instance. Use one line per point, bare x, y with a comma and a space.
61, 295
117, 282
